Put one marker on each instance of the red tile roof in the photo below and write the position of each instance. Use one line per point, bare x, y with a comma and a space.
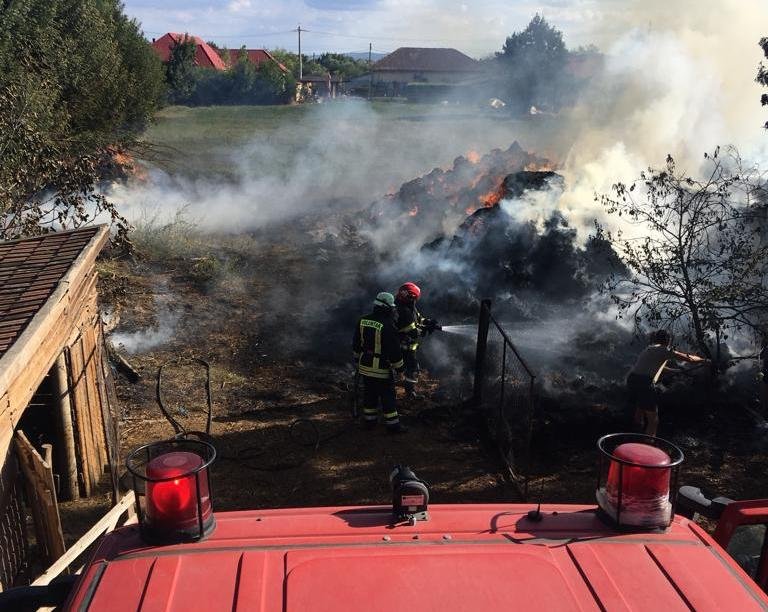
255, 56
205, 55
30, 270
424, 59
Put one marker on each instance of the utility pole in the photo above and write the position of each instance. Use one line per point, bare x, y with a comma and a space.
301, 63
370, 73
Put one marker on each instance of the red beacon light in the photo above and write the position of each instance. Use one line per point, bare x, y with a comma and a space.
637, 479
174, 503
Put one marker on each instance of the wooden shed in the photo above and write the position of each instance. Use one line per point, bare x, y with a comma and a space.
57, 430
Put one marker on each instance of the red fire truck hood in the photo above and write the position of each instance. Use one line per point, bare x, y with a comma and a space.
489, 557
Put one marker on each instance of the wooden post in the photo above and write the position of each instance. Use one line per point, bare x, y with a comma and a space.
67, 457
38, 479
482, 344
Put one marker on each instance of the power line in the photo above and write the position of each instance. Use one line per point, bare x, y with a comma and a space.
394, 38
282, 33
334, 34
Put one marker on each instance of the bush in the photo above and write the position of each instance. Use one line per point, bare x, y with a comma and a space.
76, 80
243, 84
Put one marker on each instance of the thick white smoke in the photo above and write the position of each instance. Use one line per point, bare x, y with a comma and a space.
346, 154
679, 79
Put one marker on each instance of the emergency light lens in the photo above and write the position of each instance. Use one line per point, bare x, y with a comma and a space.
172, 504
637, 488
173, 495
637, 480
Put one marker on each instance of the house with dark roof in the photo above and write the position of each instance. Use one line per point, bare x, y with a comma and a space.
434, 66
57, 408
205, 55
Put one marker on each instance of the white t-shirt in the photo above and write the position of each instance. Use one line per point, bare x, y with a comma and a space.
651, 361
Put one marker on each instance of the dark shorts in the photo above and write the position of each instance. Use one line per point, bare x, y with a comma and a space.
640, 392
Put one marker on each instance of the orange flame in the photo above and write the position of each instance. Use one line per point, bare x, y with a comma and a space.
544, 166
473, 157
413, 212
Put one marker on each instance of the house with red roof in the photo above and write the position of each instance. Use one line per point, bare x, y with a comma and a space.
208, 57
205, 55
255, 56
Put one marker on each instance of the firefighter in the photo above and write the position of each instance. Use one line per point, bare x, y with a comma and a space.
377, 351
411, 326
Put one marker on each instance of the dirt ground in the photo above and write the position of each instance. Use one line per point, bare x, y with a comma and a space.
285, 437
281, 420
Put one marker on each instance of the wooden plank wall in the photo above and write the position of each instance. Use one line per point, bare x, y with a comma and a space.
84, 358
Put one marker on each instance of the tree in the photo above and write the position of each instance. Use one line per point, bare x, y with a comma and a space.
532, 62
77, 80
180, 71
694, 249
762, 73
342, 65
277, 87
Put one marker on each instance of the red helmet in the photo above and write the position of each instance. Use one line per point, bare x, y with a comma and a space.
408, 292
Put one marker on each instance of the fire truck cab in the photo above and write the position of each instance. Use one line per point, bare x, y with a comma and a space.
465, 557
630, 552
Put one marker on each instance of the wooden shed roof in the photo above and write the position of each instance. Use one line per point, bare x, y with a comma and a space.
31, 270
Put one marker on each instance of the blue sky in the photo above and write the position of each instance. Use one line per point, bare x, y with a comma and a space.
477, 28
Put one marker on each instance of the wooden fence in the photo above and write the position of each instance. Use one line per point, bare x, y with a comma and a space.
13, 535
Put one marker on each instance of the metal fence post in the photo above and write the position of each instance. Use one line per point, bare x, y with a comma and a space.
482, 344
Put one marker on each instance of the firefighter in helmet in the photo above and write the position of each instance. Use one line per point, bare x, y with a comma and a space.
411, 326
377, 351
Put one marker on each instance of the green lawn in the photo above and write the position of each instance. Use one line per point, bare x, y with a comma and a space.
388, 141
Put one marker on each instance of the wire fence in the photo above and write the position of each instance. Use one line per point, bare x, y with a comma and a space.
505, 392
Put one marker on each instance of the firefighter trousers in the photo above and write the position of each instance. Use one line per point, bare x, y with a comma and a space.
411, 373
379, 390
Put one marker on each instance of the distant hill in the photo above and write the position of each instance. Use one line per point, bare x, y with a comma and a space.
363, 55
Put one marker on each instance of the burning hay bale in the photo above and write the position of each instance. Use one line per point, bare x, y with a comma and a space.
441, 199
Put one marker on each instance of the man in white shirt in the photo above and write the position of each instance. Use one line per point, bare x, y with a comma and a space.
644, 375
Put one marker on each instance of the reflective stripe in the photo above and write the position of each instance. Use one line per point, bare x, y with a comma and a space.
409, 327
377, 325
391, 418
377, 348
398, 364
413, 347
374, 373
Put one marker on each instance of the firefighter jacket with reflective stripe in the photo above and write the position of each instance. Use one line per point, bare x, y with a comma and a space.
410, 325
376, 345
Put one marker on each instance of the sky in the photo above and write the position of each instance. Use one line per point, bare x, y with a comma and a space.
476, 28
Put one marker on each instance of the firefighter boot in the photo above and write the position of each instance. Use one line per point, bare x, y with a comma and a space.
397, 428
410, 389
